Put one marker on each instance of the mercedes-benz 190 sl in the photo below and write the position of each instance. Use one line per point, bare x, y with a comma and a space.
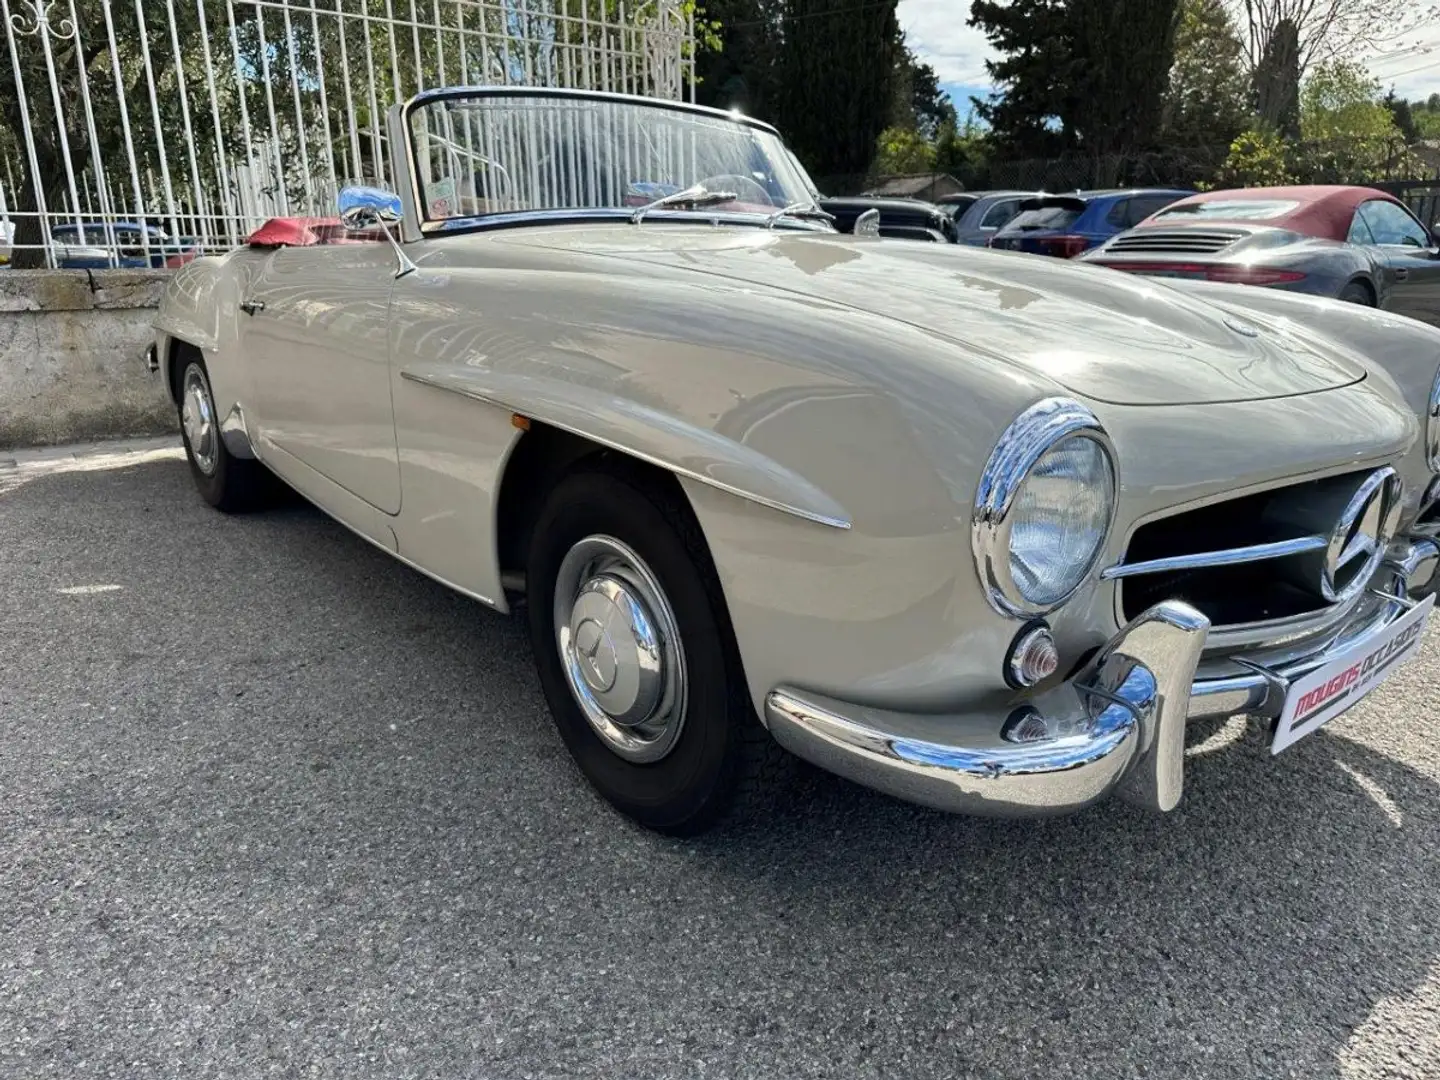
979, 529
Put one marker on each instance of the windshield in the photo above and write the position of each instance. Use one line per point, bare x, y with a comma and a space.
1230, 209
495, 153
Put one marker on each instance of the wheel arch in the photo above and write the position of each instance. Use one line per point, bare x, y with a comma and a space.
1363, 279
175, 353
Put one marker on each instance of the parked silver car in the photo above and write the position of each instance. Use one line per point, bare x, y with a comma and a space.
979, 215
977, 529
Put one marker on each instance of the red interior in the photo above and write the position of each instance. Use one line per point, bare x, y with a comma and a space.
308, 232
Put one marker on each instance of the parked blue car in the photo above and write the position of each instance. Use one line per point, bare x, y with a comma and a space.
1067, 225
91, 246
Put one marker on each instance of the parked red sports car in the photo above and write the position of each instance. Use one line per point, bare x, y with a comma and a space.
1353, 243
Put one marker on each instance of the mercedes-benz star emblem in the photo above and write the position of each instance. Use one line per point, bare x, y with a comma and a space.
1359, 535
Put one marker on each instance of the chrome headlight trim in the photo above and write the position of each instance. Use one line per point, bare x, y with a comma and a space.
1033, 434
1432, 426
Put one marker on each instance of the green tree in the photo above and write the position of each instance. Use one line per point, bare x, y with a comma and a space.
931, 106
1258, 158
1206, 100
963, 150
1084, 75
837, 65
740, 72
1026, 115
1349, 134
903, 150
1427, 117
1285, 39
1403, 116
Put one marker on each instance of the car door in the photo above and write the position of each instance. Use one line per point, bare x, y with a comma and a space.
314, 331
1408, 257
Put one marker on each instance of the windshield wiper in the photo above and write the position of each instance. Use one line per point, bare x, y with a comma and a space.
699, 195
802, 210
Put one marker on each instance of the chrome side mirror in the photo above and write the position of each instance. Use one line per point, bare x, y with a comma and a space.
868, 223
366, 207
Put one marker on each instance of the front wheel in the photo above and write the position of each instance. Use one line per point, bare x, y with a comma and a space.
636, 655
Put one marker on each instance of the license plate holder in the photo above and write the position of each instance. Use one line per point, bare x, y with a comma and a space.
1315, 700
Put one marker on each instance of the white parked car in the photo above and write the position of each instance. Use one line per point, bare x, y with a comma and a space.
982, 530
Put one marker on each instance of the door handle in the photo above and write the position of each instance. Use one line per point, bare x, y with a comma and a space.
252, 307
1402, 274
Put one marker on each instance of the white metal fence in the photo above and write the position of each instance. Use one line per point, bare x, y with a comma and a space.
135, 132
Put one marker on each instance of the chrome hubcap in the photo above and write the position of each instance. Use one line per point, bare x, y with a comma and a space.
197, 417
620, 648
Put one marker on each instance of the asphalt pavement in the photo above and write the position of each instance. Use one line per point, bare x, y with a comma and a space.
272, 804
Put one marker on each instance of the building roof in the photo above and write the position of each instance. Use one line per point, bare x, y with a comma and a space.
914, 184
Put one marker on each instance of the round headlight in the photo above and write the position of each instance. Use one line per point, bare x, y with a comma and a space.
1044, 507
1060, 520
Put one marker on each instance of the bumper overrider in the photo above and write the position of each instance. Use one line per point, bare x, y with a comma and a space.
1120, 722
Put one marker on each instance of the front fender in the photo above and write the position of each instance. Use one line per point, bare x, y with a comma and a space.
830, 456
641, 431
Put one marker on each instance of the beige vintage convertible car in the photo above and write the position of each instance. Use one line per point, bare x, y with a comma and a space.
981, 530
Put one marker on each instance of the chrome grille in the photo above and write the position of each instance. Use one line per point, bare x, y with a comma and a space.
1272, 556
1176, 241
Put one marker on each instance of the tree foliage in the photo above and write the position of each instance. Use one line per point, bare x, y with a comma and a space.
1027, 115
928, 107
1258, 158
1346, 128
903, 150
1077, 75
1284, 39
1206, 99
1348, 135
837, 68
826, 72
1426, 115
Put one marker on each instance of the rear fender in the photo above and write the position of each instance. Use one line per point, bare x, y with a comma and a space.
199, 308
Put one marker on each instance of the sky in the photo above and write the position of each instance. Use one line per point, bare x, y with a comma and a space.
936, 30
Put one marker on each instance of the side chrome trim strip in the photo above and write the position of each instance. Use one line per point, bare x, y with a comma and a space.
1224, 557
497, 400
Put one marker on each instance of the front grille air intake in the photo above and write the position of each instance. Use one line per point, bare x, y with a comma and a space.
1256, 558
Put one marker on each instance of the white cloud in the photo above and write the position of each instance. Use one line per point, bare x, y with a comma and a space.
937, 32
1412, 66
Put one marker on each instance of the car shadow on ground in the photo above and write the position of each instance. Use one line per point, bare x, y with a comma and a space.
1285, 900
1258, 930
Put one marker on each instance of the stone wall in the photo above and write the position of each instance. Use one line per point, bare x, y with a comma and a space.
72, 356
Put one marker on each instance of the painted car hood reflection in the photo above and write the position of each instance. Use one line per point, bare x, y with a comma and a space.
1108, 336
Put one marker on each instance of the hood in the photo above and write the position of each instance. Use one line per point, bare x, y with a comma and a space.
1101, 334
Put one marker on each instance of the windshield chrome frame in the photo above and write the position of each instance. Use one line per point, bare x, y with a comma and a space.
515, 218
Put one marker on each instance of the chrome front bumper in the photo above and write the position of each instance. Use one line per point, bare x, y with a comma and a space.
1120, 724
